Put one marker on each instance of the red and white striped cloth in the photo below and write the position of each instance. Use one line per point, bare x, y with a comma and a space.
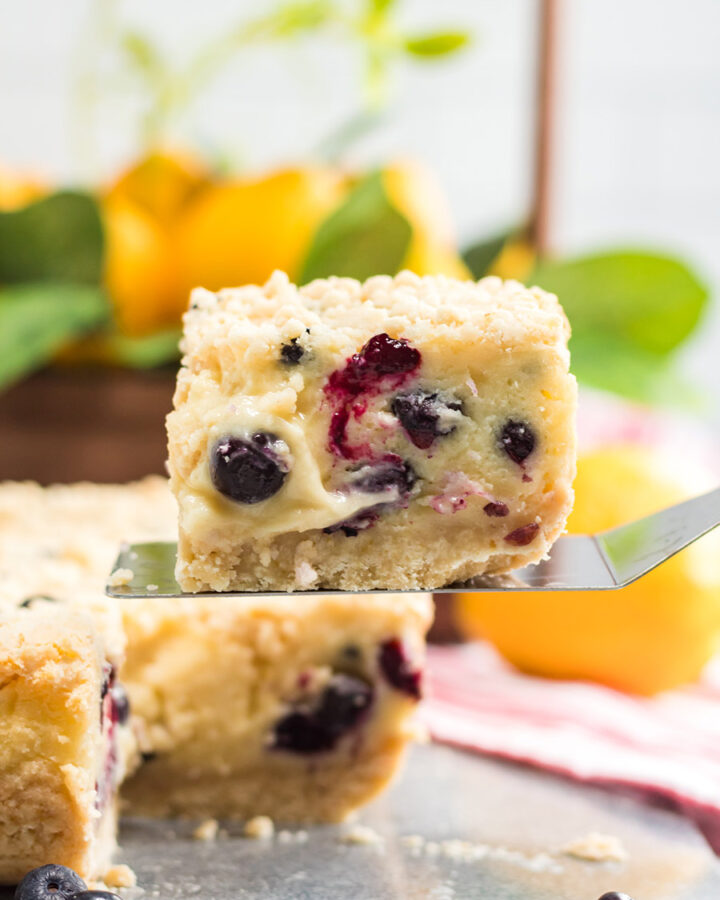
665, 749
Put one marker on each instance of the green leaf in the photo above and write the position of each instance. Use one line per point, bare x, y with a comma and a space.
611, 364
628, 311
439, 43
652, 301
147, 352
480, 256
36, 320
57, 238
365, 236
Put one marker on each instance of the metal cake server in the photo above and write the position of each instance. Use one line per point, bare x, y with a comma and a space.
600, 562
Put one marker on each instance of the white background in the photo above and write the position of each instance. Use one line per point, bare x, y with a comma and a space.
638, 160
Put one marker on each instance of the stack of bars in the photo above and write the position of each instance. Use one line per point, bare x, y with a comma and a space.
430, 438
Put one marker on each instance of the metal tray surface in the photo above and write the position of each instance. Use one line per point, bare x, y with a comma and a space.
511, 823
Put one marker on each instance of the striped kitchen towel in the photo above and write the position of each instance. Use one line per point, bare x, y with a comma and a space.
664, 749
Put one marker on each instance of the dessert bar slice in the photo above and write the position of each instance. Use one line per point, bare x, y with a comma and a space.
298, 708
403, 433
64, 742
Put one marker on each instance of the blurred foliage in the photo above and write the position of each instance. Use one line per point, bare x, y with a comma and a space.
629, 310
37, 320
58, 237
364, 236
118, 57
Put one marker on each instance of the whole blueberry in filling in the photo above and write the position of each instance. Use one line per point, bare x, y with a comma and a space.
385, 474
252, 469
518, 440
291, 353
391, 475
398, 670
318, 724
425, 415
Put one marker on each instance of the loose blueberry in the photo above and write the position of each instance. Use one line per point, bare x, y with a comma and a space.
96, 895
51, 882
396, 667
424, 416
615, 895
249, 470
518, 440
523, 535
496, 509
292, 353
315, 727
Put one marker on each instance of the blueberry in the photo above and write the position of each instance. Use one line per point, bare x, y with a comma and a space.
249, 470
523, 535
390, 356
96, 895
291, 353
50, 882
385, 474
518, 440
316, 726
424, 416
377, 478
615, 895
397, 669
120, 704
381, 356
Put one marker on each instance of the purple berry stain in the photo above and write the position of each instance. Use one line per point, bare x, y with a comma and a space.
398, 670
384, 363
318, 723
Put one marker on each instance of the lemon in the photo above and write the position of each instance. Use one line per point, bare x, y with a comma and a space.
656, 634
238, 232
161, 183
140, 269
415, 192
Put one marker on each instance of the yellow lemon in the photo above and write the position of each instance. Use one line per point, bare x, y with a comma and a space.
653, 635
239, 231
415, 192
515, 260
140, 269
161, 183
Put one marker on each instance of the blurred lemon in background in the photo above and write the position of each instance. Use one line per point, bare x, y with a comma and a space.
238, 232
161, 183
415, 192
140, 269
516, 260
656, 634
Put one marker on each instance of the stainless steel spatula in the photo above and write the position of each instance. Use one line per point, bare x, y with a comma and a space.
601, 562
